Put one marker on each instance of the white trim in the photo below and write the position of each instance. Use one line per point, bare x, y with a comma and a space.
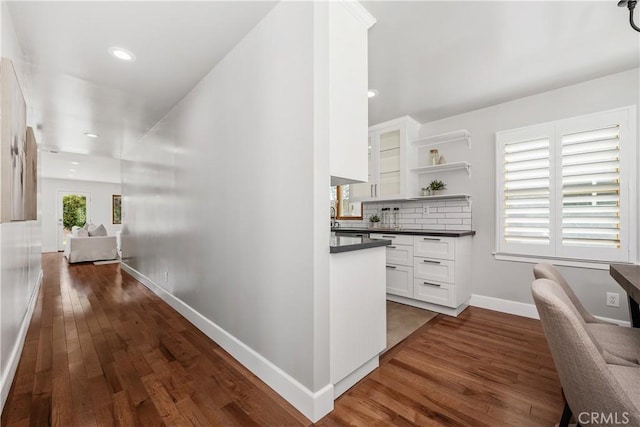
353, 378
521, 308
505, 306
359, 11
625, 323
12, 365
555, 261
313, 405
401, 121
449, 311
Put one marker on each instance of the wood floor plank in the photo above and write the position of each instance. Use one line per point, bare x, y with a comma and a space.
102, 349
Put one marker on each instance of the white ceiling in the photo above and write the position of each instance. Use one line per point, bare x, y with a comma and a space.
80, 167
78, 87
427, 59
432, 60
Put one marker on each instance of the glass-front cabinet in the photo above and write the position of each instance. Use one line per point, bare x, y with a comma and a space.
387, 164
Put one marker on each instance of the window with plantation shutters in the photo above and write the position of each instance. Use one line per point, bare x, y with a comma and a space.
567, 190
526, 191
591, 188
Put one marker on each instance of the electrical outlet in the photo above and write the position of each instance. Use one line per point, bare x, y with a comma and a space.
166, 276
425, 210
613, 299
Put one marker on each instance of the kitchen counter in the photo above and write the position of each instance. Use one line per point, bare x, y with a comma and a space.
443, 233
347, 243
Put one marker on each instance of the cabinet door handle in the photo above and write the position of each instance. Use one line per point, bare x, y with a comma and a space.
392, 267
388, 237
371, 190
359, 235
431, 284
391, 247
428, 261
376, 190
428, 238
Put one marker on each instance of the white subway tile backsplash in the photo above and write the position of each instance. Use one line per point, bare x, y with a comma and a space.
434, 227
407, 221
413, 205
427, 221
455, 214
451, 209
459, 215
452, 221
411, 215
410, 210
456, 203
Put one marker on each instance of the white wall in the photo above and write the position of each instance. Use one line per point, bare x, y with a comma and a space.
99, 209
218, 197
512, 280
20, 243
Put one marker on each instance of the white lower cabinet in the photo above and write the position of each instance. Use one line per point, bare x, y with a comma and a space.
400, 255
436, 293
399, 280
434, 269
432, 272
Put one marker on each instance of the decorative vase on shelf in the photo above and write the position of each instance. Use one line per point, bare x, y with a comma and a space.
436, 192
425, 192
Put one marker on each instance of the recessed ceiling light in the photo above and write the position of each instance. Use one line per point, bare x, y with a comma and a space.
372, 93
72, 170
122, 54
91, 135
75, 163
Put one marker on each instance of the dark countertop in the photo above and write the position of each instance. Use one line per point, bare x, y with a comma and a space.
346, 243
442, 233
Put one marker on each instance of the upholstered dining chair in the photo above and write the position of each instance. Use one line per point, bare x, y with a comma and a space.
618, 341
597, 392
545, 270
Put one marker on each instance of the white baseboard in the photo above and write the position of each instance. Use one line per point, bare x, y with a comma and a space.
616, 321
352, 379
505, 306
14, 358
521, 309
313, 405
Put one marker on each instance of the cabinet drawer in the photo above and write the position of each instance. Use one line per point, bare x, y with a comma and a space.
397, 239
400, 255
400, 280
435, 293
434, 269
435, 247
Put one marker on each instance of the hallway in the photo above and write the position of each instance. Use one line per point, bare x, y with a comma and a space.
102, 350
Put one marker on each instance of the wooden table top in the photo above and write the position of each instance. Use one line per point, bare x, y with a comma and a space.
627, 276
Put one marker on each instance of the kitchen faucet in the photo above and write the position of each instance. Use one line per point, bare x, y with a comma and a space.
334, 223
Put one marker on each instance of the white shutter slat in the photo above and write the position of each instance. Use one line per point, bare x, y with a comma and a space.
526, 186
591, 188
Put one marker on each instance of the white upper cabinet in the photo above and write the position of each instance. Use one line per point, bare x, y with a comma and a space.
388, 177
348, 87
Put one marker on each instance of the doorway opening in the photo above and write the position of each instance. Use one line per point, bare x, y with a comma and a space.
73, 210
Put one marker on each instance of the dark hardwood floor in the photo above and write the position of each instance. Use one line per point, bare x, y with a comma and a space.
104, 350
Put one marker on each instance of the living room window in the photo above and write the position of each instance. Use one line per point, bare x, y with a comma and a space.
566, 189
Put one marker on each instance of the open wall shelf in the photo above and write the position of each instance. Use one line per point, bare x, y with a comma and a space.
442, 168
443, 197
444, 138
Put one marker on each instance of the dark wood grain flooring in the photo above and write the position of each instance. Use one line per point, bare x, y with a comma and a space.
104, 350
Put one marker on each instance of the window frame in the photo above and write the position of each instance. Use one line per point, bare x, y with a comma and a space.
626, 116
338, 210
